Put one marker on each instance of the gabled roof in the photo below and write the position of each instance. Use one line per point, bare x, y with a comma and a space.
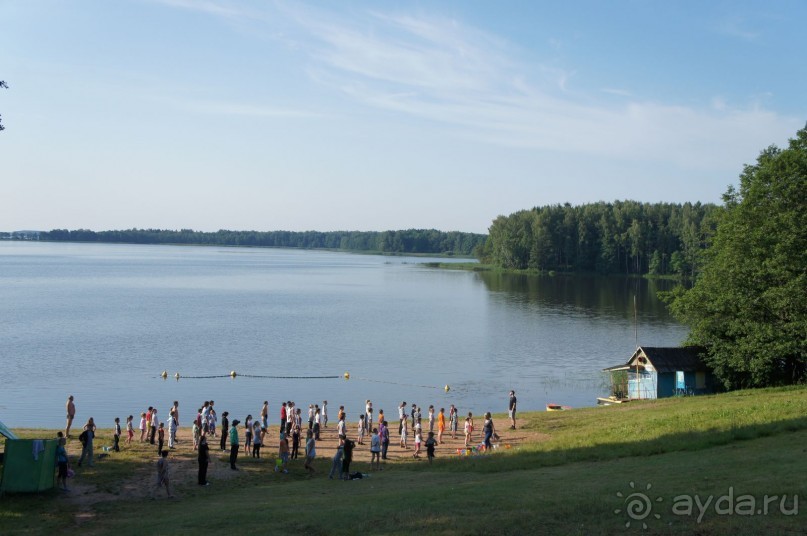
685, 358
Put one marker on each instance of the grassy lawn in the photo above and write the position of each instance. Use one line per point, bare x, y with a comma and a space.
564, 473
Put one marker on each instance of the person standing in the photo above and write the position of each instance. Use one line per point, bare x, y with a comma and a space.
204, 460
234, 444
173, 425
325, 413
336, 466
70, 407
489, 430
62, 461
401, 416
453, 420
317, 422
295, 435
225, 425
375, 450
441, 425
384, 439
155, 423
87, 444
348, 457
512, 410
310, 451
175, 409
163, 475
160, 437
116, 436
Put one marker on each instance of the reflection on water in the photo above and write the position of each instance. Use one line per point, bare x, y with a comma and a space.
102, 321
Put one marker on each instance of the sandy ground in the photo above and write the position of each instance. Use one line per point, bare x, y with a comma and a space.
184, 466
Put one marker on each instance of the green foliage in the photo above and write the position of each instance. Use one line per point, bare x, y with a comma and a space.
748, 305
411, 241
620, 237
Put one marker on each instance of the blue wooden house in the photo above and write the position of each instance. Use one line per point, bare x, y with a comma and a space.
654, 372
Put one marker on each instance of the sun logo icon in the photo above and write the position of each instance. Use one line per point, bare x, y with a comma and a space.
638, 505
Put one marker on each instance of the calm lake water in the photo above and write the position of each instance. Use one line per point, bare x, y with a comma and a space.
101, 322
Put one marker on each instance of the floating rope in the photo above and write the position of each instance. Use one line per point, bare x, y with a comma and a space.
233, 374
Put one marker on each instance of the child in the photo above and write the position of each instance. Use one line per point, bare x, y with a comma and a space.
116, 437
441, 425
256, 440
310, 451
284, 452
295, 438
62, 461
471, 428
375, 450
360, 439
336, 466
129, 429
248, 435
160, 437
172, 428
404, 426
142, 426
453, 417
418, 440
197, 433
325, 413
467, 431
430, 444
163, 474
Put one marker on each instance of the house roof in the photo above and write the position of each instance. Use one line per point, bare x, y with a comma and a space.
685, 358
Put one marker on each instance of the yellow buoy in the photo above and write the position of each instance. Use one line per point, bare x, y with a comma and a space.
447, 388
164, 375
347, 375
233, 374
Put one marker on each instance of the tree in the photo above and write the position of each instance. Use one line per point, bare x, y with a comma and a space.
748, 306
3, 85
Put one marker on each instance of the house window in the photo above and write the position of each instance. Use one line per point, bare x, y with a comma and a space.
700, 380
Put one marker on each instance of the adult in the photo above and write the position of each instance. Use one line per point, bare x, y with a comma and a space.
87, 444
225, 425
265, 415
204, 460
489, 430
512, 410
234, 444
71, 413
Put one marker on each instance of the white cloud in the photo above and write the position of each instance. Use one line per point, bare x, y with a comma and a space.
443, 71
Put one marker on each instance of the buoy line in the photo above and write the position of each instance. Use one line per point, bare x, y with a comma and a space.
233, 374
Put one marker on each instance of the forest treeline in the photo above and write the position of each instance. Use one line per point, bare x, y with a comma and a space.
627, 237
421, 241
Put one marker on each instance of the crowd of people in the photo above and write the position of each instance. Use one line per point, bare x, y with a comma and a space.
295, 427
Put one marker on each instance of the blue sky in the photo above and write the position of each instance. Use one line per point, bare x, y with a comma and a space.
382, 115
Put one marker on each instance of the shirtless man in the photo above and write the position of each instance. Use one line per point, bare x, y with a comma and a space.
71, 413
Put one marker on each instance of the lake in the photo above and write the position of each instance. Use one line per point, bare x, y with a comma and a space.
102, 321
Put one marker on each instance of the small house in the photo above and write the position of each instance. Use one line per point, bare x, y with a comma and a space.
654, 372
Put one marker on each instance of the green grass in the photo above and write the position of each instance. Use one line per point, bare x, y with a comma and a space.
561, 476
